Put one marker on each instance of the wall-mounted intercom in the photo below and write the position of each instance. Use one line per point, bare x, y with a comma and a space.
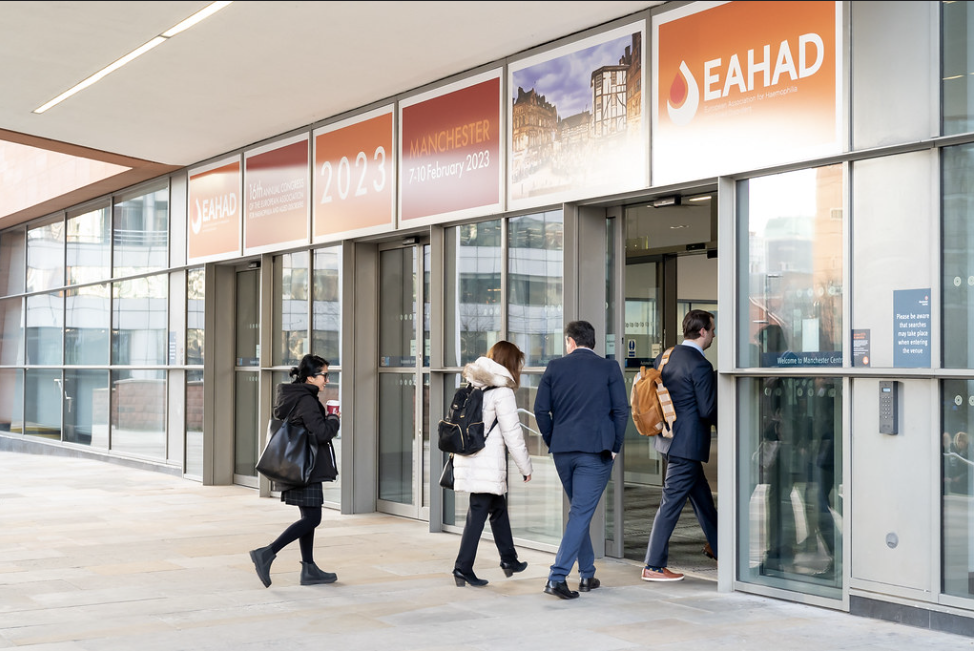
889, 407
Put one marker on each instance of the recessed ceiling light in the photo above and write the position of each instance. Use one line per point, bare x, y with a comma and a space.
206, 12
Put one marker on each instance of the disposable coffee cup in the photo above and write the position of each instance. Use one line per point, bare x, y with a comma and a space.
331, 407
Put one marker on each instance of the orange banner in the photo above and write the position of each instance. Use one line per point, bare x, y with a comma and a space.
213, 229
744, 85
354, 189
276, 195
450, 152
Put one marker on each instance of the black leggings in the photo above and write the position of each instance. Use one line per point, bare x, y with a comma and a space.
303, 531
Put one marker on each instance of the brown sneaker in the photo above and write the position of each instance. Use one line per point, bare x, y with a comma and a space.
660, 575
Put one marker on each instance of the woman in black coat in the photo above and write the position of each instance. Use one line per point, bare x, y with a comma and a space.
298, 402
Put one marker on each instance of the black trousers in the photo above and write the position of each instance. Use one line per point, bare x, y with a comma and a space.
481, 506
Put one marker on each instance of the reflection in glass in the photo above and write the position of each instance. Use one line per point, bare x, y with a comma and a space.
790, 469
87, 338
86, 407
45, 318
12, 401
248, 318
138, 414
958, 255
245, 399
426, 439
42, 403
140, 321
426, 305
11, 331
332, 391
958, 66
195, 318
13, 252
326, 308
140, 230
291, 308
472, 315
194, 424
790, 313
89, 247
45, 256
958, 490
397, 310
535, 288
397, 422
536, 507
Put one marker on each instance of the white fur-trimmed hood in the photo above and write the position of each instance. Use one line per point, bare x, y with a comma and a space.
485, 372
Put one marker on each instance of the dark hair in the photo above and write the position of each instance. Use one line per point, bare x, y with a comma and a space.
510, 357
694, 321
307, 367
582, 332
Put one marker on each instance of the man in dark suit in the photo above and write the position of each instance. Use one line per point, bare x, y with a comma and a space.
582, 411
690, 379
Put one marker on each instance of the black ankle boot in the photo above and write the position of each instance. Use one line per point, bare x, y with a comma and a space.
467, 577
262, 559
511, 568
312, 575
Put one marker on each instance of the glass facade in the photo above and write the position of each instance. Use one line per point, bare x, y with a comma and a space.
958, 488
474, 310
535, 266
790, 492
88, 329
791, 261
789, 433
83, 355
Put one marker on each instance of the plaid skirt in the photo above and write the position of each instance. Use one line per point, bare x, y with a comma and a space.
310, 495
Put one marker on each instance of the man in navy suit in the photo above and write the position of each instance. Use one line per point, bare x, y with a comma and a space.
582, 411
690, 379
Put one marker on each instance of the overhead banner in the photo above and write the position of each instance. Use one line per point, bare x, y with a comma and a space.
744, 85
213, 227
277, 196
450, 163
354, 177
577, 124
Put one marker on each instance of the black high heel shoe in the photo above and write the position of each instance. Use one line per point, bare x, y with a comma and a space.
467, 577
511, 568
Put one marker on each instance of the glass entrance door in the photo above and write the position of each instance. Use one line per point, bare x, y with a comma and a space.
403, 371
246, 377
670, 269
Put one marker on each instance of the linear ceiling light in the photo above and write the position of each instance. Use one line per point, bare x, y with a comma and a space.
200, 15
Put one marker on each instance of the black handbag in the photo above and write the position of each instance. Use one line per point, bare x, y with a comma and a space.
289, 455
446, 477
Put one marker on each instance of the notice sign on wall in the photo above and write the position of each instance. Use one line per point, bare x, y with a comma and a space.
911, 328
449, 152
276, 195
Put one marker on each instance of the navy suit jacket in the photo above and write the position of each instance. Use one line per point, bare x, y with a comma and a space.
581, 404
689, 377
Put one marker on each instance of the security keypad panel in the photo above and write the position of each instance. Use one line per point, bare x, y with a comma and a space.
888, 407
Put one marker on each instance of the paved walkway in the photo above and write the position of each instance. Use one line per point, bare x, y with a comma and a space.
100, 557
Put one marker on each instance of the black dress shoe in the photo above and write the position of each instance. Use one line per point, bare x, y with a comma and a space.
467, 577
560, 589
584, 585
511, 568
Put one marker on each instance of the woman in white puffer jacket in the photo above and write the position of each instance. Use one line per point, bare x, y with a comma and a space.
484, 474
